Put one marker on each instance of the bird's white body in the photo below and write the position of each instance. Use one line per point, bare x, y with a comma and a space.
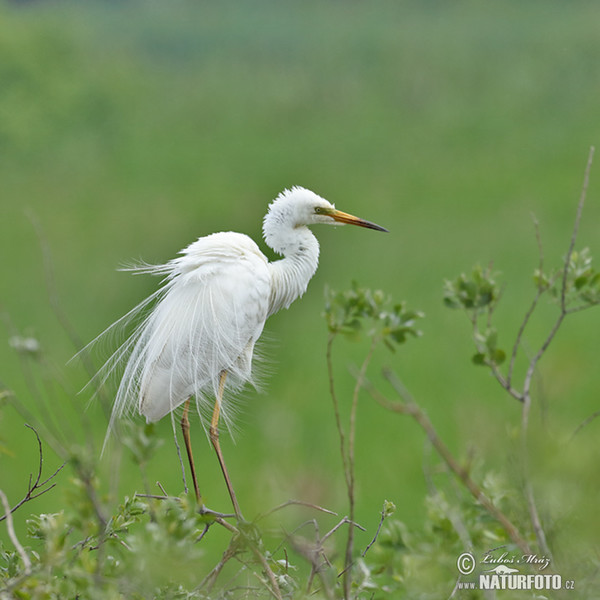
212, 307
208, 321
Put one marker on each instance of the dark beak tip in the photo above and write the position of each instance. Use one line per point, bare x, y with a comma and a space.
379, 228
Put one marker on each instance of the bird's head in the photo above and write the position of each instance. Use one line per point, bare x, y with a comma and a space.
300, 207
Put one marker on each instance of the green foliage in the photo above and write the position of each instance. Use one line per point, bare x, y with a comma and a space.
146, 547
574, 286
473, 292
581, 284
147, 550
489, 353
107, 107
359, 312
478, 294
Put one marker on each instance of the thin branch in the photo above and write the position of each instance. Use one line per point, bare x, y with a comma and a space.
540, 290
564, 311
155, 496
585, 423
219, 517
13, 536
381, 520
230, 552
274, 588
336, 408
504, 382
582, 197
162, 489
580, 307
528, 487
534, 361
295, 503
344, 521
315, 555
348, 561
35, 489
536, 522
517, 343
563, 291
538, 239
411, 408
210, 580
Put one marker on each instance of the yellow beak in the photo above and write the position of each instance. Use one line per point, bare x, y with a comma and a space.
342, 217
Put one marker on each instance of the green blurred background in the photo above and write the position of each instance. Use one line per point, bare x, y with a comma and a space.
129, 129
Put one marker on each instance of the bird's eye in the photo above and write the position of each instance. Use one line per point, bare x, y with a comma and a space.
318, 210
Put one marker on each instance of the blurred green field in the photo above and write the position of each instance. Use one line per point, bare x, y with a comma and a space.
129, 129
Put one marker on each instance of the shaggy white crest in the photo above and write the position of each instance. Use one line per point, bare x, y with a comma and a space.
211, 308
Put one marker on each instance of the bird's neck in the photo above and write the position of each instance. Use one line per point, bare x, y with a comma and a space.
291, 274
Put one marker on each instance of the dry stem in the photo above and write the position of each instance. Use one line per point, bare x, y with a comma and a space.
13, 536
37, 488
409, 407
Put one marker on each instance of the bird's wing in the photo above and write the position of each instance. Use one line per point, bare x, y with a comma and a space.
211, 313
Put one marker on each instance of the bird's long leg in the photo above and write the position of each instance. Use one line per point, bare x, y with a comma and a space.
185, 428
214, 438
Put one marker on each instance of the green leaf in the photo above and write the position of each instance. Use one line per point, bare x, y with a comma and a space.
476, 291
498, 356
478, 358
361, 311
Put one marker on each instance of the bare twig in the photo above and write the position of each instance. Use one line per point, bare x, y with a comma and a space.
348, 451
585, 423
274, 587
409, 407
155, 496
161, 488
35, 489
565, 274
209, 581
336, 408
580, 307
314, 553
370, 544
505, 382
582, 197
473, 317
538, 239
295, 503
344, 521
235, 545
564, 311
13, 536
350, 477
540, 290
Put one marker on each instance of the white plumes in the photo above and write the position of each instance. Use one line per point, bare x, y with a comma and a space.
207, 317
210, 311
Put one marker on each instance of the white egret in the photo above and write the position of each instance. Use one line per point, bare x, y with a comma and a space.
197, 341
